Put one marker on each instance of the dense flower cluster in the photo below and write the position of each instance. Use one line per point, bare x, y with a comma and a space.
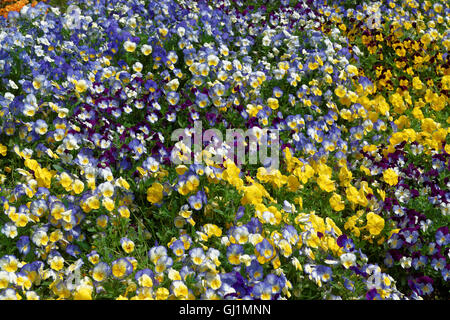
419, 206
95, 203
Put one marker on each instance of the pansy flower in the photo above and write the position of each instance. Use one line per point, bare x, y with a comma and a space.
234, 252
127, 245
145, 278
101, 272
196, 201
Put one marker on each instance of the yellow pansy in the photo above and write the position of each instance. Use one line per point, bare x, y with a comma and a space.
272, 103
84, 292
325, 183
155, 193
390, 177
3, 149
375, 223
336, 202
